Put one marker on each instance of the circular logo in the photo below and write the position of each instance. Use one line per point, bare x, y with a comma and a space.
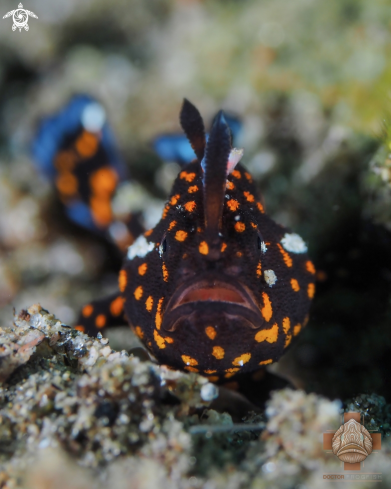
20, 18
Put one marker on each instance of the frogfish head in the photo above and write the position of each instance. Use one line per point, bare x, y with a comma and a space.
228, 288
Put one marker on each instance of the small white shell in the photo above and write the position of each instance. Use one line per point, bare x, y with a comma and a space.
140, 248
209, 392
270, 277
294, 243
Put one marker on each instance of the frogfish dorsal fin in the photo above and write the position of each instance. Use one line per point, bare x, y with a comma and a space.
193, 125
214, 165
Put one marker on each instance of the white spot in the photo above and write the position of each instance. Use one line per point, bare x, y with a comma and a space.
294, 243
263, 247
270, 277
226, 196
140, 248
93, 117
237, 218
241, 363
233, 159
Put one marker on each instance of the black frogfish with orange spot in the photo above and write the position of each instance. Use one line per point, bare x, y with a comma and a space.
76, 151
217, 287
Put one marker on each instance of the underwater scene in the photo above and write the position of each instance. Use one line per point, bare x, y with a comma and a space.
195, 244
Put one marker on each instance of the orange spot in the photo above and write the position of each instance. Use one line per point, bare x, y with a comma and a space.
139, 332
260, 208
65, 161
80, 328
288, 340
190, 206
223, 247
149, 303
231, 372
189, 177
266, 362
230, 185
310, 266
287, 259
180, 235
191, 369
269, 335
311, 290
174, 199
295, 285
232, 204
67, 184
236, 174
117, 306
218, 352
248, 176
266, 310
172, 225
203, 248
122, 280
101, 210
168, 340
165, 272
305, 322
159, 340
240, 361
199, 230
165, 211
158, 317
259, 270
142, 269
148, 233
87, 310
240, 226
249, 197
239, 254
296, 329
213, 378
86, 144
210, 332
286, 324
254, 225
138, 293
103, 182
189, 361
100, 321
210, 372
192, 189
